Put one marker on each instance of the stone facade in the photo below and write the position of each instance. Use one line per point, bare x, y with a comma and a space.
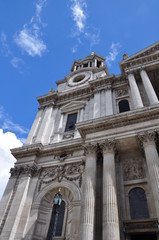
97, 139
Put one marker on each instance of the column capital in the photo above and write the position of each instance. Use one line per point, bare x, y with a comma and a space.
90, 148
108, 145
146, 137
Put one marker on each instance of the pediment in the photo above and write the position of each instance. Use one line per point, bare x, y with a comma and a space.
147, 52
73, 106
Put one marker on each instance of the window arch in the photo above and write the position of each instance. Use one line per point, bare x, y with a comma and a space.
124, 106
138, 204
57, 217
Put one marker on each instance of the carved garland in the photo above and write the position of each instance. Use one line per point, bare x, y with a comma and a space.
69, 172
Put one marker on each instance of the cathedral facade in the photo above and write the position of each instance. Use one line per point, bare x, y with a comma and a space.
89, 169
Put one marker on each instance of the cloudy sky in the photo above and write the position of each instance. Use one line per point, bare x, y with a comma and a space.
40, 39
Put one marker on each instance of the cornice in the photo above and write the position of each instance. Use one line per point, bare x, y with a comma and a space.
137, 63
46, 150
118, 120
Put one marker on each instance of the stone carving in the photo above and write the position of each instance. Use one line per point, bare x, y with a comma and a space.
69, 134
121, 92
147, 136
71, 172
133, 169
24, 170
90, 148
108, 145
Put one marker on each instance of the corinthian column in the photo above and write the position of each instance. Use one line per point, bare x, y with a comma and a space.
110, 205
152, 159
88, 195
148, 87
135, 91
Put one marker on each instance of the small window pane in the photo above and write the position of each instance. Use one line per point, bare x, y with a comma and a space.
138, 204
71, 121
124, 106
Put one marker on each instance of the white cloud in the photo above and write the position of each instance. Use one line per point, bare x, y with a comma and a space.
8, 125
16, 62
30, 43
5, 47
113, 53
78, 8
82, 30
29, 38
8, 141
94, 37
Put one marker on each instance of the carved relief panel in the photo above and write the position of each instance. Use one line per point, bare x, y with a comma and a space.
133, 168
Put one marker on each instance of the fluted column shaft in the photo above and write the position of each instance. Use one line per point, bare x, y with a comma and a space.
110, 205
148, 88
135, 91
152, 159
88, 196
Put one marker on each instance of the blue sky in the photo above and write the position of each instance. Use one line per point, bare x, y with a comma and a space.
40, 39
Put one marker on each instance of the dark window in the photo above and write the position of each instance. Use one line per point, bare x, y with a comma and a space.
138, 204
90, 64
71, 121
85, 65
98, 64
124, 106
58, 215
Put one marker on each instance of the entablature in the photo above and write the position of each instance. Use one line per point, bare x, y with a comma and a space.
119, 120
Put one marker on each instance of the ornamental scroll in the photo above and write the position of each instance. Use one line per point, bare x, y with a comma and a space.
71, 172
133, 169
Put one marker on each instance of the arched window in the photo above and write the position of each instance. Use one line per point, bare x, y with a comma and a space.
124, 106
138, 204
57, 218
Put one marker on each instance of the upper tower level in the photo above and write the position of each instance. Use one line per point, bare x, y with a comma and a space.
83, 71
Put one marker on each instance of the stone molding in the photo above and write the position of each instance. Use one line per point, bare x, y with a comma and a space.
132, 226
117, 121
70, 172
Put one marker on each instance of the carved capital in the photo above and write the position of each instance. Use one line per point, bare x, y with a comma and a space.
109, 145
146, 137
90, 148
25, 170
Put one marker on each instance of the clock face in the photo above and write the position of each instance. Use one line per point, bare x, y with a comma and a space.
79, 78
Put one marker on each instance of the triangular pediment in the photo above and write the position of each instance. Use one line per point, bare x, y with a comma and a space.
147, 52
73, 106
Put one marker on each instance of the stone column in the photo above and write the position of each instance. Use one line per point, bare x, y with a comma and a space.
152, 159
148, 88
109, 102
110, 205
88, 195
96, 110
135, 91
